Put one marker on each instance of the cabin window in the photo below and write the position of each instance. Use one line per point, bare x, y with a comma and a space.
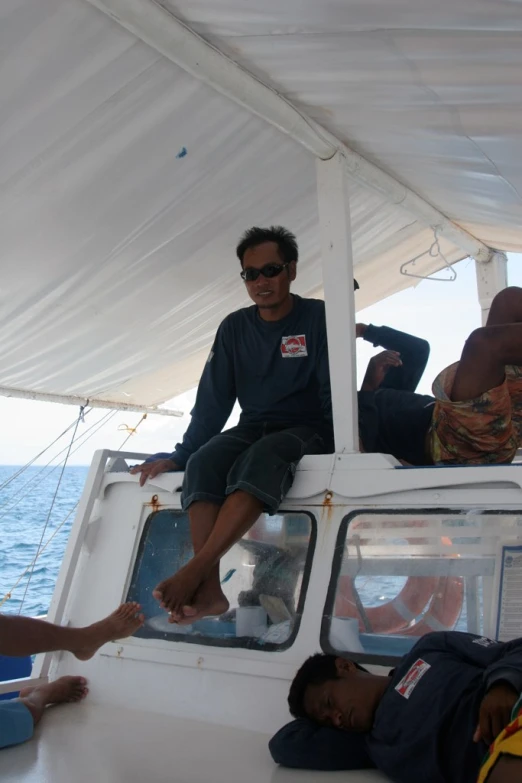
264, 577
398, 575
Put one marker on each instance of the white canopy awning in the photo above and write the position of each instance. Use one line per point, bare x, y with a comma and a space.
126, 182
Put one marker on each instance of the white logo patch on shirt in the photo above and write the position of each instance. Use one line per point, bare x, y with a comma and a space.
293, 346
411, 679
484, 641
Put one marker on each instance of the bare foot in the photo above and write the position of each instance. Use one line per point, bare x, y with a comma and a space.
209, 601
66, 689
122, 623
179, 590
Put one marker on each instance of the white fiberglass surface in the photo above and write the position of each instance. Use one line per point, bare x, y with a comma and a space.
89, 743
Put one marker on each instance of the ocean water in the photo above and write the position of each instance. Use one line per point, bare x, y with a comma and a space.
24, 508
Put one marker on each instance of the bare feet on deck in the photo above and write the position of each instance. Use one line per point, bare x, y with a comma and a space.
66, 689
188, 596
122, 623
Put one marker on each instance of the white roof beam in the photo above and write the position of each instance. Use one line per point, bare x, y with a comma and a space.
160, 29
68, 399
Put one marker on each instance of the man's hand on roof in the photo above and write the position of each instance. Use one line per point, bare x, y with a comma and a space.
378, 366
151, 469
360, 330
495, 712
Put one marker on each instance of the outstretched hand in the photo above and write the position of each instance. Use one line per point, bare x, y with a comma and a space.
495, 712
152, 469
378, 366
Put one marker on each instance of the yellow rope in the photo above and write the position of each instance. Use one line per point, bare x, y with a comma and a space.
8, 595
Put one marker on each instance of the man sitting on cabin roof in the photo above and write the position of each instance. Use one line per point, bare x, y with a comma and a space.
475, 415
430, 720
22, 636
273, 359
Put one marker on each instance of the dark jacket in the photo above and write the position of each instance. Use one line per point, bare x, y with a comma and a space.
414, 352
424, 725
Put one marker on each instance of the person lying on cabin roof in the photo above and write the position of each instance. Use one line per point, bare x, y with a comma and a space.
21, 636
272, 357
431, 719
475, 415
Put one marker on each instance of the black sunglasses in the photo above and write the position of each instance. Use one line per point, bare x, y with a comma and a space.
269, 270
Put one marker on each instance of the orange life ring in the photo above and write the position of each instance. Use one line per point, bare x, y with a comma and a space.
423, 605
443, 610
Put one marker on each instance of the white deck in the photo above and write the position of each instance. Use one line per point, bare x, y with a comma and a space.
92, 744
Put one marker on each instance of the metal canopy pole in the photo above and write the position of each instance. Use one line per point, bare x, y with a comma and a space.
492, 277
336, 251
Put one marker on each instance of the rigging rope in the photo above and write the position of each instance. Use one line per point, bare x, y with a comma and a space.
28, 465
41, 549
20, 495
79, 419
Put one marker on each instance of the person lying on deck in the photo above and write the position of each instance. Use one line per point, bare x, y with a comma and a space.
475, 414
431, 719
21, 636
273, 358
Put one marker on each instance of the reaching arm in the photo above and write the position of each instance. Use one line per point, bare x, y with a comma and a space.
501, 665
414, 354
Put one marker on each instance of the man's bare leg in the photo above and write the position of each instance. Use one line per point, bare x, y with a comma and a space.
490, 348
178, 593
202, 516
508, 769
26, 636
66, 689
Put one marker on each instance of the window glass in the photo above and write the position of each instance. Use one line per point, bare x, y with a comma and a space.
264, 577
400, 575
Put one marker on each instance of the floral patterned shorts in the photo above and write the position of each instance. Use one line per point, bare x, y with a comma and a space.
483, 431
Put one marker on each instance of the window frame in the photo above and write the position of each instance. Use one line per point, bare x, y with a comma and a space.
324, 637
229, 642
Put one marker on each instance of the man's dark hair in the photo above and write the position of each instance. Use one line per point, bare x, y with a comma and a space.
284, 239
315, 670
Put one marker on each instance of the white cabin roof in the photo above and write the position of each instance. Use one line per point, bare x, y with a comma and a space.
118, 246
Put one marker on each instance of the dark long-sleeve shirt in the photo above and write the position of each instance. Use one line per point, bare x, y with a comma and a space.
414, 352
424, 725
277, 370
393, 419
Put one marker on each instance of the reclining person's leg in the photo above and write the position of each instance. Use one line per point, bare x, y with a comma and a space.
490, 348
478, 415
27, 636
18, 717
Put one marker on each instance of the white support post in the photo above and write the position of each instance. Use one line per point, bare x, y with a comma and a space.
492, 277
336, 249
